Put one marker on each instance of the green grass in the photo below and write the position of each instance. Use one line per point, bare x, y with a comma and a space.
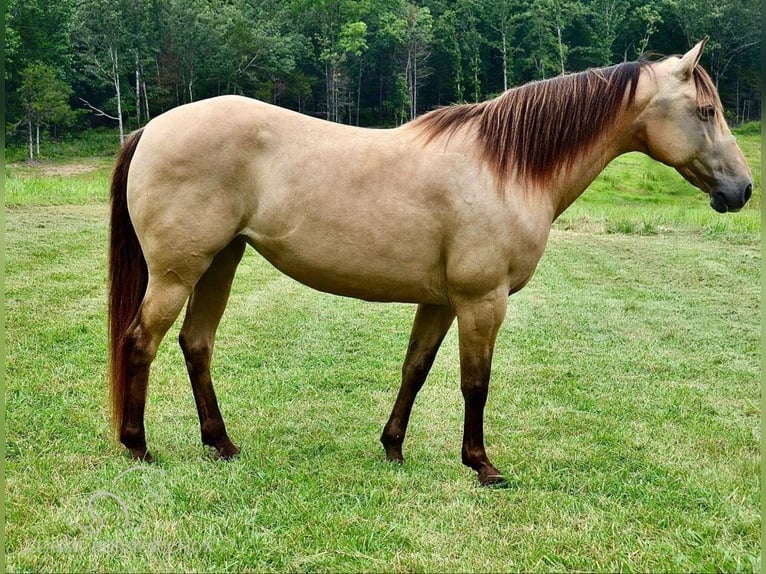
84, 181
624, 408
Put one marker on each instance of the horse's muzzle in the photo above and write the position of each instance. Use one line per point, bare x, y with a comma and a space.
723, 202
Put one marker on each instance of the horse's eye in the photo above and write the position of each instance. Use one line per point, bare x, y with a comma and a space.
706, 112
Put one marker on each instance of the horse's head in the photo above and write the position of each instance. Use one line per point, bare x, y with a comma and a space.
684, 127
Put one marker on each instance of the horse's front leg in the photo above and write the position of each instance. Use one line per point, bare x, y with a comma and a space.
428, 330
478, 324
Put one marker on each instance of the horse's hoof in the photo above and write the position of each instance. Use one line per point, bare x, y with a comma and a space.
227, 451
395, 456
141, 454
493, 479
393, 453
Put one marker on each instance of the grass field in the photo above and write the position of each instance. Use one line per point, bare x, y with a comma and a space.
624, 406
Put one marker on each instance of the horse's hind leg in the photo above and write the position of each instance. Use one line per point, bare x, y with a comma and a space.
162, 302
428, 330
206, 305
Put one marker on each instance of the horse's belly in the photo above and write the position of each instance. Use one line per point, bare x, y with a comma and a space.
357, 268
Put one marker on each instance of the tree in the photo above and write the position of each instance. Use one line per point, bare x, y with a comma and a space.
98, 26
36, 31
371, 62
142, 32
732, 25
339, 31
411, 31
45, 99
735, 33
469, 15
417, 38
12, 45
606, 18
190, 31
258, 49
540, 41
651, 17
503, 16
448, 47
561, 14
351, 41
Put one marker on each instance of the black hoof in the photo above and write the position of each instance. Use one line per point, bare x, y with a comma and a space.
141, 454
393, 451
491, 477
227, 451
226, 456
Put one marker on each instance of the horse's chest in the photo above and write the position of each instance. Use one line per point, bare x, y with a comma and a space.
525, 251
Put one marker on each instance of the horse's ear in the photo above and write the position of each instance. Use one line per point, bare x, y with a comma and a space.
691, 59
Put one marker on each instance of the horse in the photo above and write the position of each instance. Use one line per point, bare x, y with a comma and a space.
451, 212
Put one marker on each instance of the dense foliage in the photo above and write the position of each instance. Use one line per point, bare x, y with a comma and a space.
366, 62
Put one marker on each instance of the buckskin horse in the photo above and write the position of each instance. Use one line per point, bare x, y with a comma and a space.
451, 211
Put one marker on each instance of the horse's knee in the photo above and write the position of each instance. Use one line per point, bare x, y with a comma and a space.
475, 388
415, 372
140, 349
417, 365
196, 352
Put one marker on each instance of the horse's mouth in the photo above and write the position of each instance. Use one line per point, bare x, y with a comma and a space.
723, 204
718, 202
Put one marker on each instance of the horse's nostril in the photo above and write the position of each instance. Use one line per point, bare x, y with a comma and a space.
748, 191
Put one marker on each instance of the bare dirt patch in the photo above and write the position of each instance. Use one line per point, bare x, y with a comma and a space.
45, 168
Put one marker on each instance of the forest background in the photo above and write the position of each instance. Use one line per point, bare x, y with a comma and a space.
72, 65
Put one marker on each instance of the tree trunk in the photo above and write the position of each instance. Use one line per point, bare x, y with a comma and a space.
414, 110
328, 73
146, 101
408, 79
476, 82
359, 91
333, 111
116, 80
505, 59
561, 48
138, 93
31, 146
336, 94
37, 127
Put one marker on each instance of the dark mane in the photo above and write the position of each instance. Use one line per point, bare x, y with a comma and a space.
537, 128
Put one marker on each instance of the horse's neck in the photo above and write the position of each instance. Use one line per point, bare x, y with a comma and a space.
572, 181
